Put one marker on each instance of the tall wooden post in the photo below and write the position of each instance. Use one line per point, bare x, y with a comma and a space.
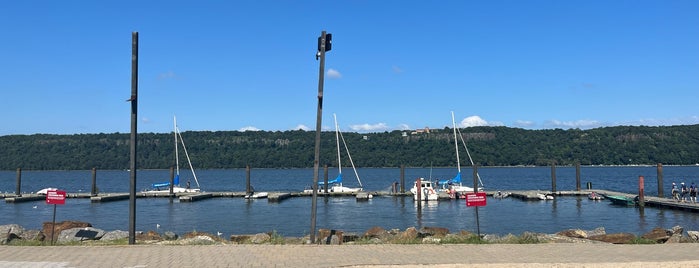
577, 177
248, 188
134, 130
94, 182
402, 179
553, 177
172, 184
661, 193
641, 195
18, 191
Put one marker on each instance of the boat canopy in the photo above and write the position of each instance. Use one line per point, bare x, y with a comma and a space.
166, 184
456, 179
336, 180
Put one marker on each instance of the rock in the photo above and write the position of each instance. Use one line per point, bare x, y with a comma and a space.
409, 234
260, 238
330, 237
693, 235
48, 228
149, 236
80, 234
32, 235
574, 233
10, 232
596, 231
240, 239
659, 235
618, 238
115, 235
433, 231
376, 232
170, 236
431, 240
677, 230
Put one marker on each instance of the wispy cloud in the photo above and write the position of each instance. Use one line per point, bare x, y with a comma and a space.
524, 123
333, 74
302, 127
396, 69
249, 128
369, 127
167, 75
581, 124
404, 127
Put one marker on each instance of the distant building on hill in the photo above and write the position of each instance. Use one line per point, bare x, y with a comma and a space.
425, 130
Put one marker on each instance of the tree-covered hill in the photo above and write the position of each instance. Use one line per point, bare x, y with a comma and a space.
488, 146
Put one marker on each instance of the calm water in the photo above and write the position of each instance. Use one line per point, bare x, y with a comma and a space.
291, 217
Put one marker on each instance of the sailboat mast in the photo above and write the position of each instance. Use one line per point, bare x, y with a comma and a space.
337, 139
188, 160
456, 142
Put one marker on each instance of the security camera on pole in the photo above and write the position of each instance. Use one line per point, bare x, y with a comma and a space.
324, 45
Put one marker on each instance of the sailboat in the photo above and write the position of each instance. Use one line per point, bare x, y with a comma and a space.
164, 187
337, 186
454, 185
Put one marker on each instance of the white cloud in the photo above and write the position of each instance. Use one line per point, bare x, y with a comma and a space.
581, 124
249, 128
524, 123
404, 127
473, 121
167, 75
302, 127
369, 128
333, 74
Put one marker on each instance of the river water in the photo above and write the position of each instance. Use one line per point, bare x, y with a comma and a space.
291, 217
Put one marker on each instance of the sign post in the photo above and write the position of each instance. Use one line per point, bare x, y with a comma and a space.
476, 199
55, 197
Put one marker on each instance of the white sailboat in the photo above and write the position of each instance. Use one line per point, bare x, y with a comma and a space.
337, 186
164, 187
454, 185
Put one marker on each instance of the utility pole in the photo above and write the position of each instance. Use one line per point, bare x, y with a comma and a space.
134, 130
324, 44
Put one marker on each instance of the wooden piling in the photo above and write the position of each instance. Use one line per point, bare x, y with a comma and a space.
577, 176
171, 194
553, 177
248, 189
94, 182
18, 191
402, 179
660, 180
641, 186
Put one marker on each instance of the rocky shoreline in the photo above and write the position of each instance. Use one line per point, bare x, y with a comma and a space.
78, 233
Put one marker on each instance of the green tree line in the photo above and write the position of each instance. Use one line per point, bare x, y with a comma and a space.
488, 146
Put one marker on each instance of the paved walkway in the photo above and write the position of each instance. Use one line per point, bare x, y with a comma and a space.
444, 256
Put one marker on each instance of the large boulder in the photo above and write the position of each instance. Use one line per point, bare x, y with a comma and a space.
260, 238
330, 237
114, 235
50, 229
693, 236
376, 232
433, 231
80, 234
618, 238
10, 232
659, 235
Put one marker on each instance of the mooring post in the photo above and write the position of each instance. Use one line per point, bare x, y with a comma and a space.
577, 177
402, 179
661, 193
94, 182
325, 177
19, 182
553, 177
418, 185
172, 184
248, 189
641, 186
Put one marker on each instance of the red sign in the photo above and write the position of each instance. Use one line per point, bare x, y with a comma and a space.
56, 197
475, 199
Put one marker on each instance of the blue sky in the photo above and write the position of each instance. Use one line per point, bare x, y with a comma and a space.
250, 65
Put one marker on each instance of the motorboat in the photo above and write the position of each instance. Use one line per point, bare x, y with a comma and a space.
424, 187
